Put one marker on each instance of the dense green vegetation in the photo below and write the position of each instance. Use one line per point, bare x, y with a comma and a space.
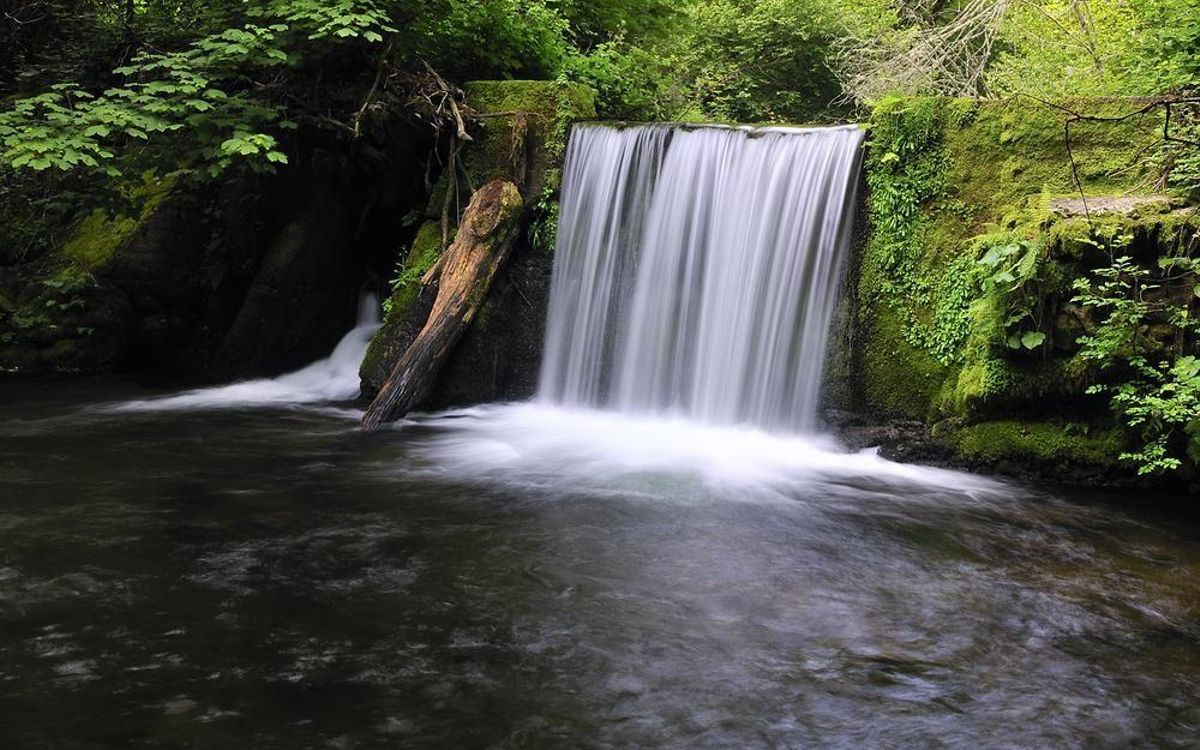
220, 83
980, 292
1006, 276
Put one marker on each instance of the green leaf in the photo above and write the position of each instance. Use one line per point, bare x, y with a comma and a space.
1032, 339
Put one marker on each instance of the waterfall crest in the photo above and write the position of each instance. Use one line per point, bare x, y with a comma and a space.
696, 270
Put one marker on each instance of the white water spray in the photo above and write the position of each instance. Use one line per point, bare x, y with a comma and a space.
334, 378
695, 277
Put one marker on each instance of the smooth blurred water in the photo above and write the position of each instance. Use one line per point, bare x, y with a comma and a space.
529, 577
696, 270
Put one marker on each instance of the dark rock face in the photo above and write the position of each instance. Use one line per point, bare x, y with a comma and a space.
256, 276
156, 271
303, 296
499, 357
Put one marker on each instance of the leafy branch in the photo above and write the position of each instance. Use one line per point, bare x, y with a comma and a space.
217, 100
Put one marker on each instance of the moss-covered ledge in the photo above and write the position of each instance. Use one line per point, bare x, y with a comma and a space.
519, 136
981, 215
1066, 452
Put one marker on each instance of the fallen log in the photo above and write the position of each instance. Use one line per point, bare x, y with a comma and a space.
464, 273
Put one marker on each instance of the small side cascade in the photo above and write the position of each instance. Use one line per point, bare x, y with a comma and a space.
697, 268
334, 378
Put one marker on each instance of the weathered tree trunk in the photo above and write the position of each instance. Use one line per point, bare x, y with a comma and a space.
465, 270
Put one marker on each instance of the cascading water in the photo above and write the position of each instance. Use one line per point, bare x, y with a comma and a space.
334, 378
696, 270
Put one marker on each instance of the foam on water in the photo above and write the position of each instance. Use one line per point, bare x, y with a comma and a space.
334, 378
552, 445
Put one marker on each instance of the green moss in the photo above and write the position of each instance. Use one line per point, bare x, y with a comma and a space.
525, 122
97, 238
1011, 156
947, 180
978, 382
899, 378
421, 255
1038, 443
100, 234
540, 97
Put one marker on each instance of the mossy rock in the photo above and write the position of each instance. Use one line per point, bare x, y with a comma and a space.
899, 379
405, 310
1070, 452
66, 312
947, 178
101, 233
1008, 156
98, 238
523, 130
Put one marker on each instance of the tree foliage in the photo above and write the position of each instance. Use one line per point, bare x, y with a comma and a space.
1004, 47
217, 84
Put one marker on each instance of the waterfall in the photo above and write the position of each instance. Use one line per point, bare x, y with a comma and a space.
696, 270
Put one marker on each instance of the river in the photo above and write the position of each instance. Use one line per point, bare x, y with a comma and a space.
525, 576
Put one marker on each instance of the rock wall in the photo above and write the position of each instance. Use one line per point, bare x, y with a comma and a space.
980, 217
257, 275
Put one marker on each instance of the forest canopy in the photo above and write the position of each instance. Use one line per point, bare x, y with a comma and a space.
88, 84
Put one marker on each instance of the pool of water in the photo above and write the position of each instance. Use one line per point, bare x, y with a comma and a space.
526, 577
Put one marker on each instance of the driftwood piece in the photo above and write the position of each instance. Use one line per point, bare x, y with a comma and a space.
465, 272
